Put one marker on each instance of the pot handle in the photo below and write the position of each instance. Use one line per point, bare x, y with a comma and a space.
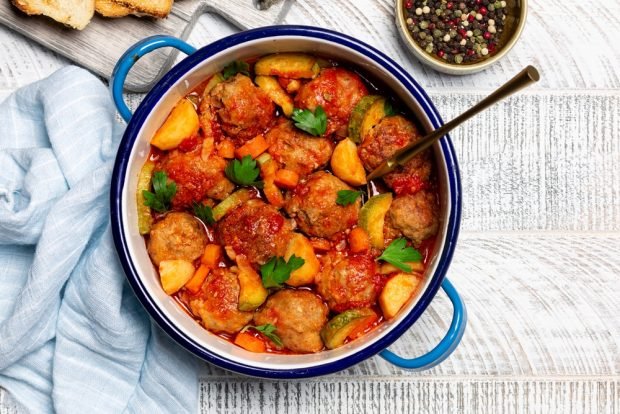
130, 57
447, 344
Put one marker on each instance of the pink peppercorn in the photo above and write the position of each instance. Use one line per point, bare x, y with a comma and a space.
487, 35
483, 10
409, 4
450, 5
471, 18
440, 53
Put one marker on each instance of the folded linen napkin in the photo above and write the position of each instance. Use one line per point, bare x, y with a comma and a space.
73, 338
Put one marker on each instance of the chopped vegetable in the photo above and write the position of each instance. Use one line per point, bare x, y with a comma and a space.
182, 123
387, 268
397, 254
346, 197
346, 163
269, 331
374, 114
300, 246
194, 284
286, 178
314, 123
359, 241
232, 201
277, 270
268, 169
249, 342
203, 212
163, 192
396, 292
145, 219
211, 256
355, 121
320, 245
226, 149
234, 67
288, 65
252, 293
275, 92
345, 324
244, 172
174, 274
372, 216
254, 147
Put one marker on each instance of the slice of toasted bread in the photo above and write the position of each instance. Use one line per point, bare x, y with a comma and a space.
73, 13
109, 8
155, 8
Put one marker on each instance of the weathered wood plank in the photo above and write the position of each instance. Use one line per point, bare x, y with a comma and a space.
412, 395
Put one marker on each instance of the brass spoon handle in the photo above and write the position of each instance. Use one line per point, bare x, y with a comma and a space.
526, 77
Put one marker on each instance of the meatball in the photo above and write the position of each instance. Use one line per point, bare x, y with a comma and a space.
195, 177
217, 303
242, 109
298, 151
415, 215
391, 134
298, 315
348, 282
313, 205
177, 236
256, 230
337, 91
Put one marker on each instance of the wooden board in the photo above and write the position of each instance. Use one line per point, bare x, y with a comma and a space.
99, 46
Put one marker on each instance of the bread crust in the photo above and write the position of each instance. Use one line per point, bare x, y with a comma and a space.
75, 18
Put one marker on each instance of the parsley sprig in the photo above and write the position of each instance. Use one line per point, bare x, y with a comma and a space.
234, 67
388, 108
346, 197
398, 254
244, 172
269, 331
314, 123
277, 270
203, 212
163, 192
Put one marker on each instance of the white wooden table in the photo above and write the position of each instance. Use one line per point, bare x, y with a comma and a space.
538, 262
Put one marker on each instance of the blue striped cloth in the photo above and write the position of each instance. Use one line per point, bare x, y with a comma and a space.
73, 338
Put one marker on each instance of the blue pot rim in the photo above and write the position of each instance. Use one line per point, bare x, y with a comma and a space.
121, 164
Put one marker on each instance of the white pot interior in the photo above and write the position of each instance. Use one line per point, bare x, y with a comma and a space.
136, 246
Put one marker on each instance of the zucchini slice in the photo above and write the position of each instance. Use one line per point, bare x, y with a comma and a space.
372, 216
336, 331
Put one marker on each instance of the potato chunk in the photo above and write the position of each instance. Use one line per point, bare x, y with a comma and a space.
273, 89
346, 164
174, 274
288, 65
252, 293
182, 123
396, 292
300, 246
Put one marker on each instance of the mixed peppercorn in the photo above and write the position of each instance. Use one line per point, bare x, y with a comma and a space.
459, 32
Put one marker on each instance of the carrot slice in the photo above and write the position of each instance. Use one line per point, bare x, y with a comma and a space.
254, 147
286, 178
212, 256
272, 192
226, 149
194, 284
359, 241
249, 342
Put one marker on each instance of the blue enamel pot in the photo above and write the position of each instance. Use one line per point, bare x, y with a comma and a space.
134, 149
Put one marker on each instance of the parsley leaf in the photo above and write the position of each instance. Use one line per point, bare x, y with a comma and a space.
244, 172
388, 109
234, 67
346, 197
203, 212
269, 331
397, 253
163, 191
313, 123
277, 271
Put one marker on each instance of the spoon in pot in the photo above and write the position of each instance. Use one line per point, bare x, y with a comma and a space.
526, 77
